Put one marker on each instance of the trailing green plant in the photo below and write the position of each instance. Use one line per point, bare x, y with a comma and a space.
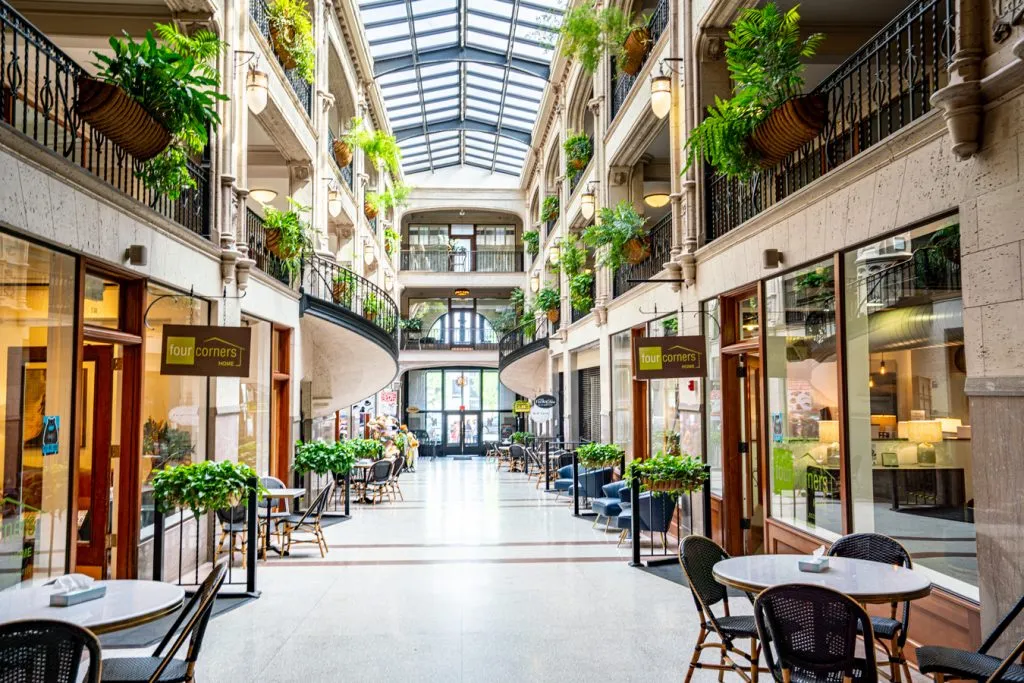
366, 449
547, 299
594, 455
614, 227
203, 486
517, 299
931, 261
411, 324
549, 209
521, 437
292, 234
579, 148
291, 22
588, 33
392, 240
505, 321
383, 151
763, 55
572, 257
371, 305
685, 472
581, 287
389, 199
169, 445
531, 238
321, 457
819, 277
670, 325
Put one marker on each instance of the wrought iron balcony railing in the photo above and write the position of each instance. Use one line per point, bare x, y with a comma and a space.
660, 240
259, 250
444, 261
886, 85
622, 83
303, 89
38, 92
533, 331
331, 283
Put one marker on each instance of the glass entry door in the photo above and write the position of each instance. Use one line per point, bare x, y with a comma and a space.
462, 433
750, 454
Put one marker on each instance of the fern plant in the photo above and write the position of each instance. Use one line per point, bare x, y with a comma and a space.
573, 257
581, 287
390, 198
292, 234
588, 33
615, 227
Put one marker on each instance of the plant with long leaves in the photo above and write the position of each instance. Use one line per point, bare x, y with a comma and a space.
292, 23
549, 208
548, 299
517, 299
531, 238
573, 257
581, 288
615, 226
392, 197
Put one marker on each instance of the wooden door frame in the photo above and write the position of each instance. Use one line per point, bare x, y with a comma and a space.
280, 401
640, 401
103, 357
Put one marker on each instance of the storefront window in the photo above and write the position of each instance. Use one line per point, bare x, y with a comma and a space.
713, 392
674, 405
909, 421
37, 339
254, 401
803, 399
622, 392
174, 408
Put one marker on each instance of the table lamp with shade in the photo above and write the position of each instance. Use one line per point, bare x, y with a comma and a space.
925, 433
828, 434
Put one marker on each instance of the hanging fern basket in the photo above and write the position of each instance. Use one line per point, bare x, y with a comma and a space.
636, 250
342, 153
798, 121
553, 315
280, 41
121, 119
635, 49
368, 209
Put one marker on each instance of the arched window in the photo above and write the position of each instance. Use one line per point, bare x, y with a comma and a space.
463, 328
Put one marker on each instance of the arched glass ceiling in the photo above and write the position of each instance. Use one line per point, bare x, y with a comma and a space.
462, 79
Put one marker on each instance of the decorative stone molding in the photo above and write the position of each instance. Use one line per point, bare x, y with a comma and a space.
618, 176
594, 104
326, 100
228, 258
300, 171
961, 102
243, 269
1005, 19
601, 314
711, 44
674, 272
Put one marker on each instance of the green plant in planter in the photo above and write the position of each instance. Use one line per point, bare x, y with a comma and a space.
670, 442
763, 55
383, 151
521, 437
517, 299
549, 209
323, 458
579, 148
588, 33
203, 486
580, 291
596, 455
389, 199
531, 238
292, 32
371, 306
572, 257
505, 321
614, 229
169, 445
366, 449
411, 324
549, 302
343, 287
291, 233
675, 474
392, 240
670, 325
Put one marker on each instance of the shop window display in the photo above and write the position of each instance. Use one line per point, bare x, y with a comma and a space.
622, 391
254, 401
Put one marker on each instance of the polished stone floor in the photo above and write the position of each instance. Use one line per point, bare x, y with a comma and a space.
477, 576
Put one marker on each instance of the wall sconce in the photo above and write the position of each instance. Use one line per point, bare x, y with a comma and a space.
773, 259
588, 202
661, 88
656, 193
137, 255
535, 284
556, 252
263, 196
333, 197
389, 282
368, 254
256, 90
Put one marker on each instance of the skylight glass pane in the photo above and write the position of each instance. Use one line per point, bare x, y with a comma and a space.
436, 41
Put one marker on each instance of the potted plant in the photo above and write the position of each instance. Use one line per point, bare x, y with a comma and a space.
549, 209
291, 34
342, 287
371, 306
671, 474
549, 302
323, 458
598, 455
287, 237
767, 117
203, 486
148, 93
531, 238
520, 437
382, 151
366, 449
349, 140
573, 257
411, 324
517, 300
587, 33
814, 284
388, 199
670, 325
165, 444
581, 287
392, 240
621, 229
578, 150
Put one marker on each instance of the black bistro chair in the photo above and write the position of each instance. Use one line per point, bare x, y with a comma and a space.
378, 481
810, 635
699, 555
164, 666
396, 489
944, 663
890, 632
308, 522
47, 651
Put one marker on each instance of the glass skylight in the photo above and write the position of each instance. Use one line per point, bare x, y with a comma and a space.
462, 79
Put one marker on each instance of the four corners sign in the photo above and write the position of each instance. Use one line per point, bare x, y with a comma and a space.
205, 351
665, 357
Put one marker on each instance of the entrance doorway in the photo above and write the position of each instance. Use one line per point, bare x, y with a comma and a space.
462, 433
752, 523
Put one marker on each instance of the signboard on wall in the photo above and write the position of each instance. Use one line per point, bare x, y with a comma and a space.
667, 357
521, 407
545, 401
205, 351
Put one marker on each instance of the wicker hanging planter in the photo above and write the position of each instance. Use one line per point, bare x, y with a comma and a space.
636, 250
121, 119
553, 315
798, 121
369, 211
665, 485
635, 49
280, 40
577, 164
342, 153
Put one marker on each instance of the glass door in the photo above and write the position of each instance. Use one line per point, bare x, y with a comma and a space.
750, 453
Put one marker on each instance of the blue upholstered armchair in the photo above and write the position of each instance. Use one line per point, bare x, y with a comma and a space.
609, 505
656, 512
564, 481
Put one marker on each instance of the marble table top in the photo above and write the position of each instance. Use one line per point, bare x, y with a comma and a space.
285, 493
862, 580
126, 604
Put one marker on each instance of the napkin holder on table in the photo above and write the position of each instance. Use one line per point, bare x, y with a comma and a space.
75, 589
815, 564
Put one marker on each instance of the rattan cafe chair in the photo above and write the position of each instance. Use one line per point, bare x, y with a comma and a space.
308, 523
47, 651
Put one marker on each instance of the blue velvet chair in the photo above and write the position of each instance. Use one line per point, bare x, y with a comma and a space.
563, 484
656, 512
591, 482
609, 505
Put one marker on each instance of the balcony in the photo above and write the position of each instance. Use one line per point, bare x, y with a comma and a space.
444, 261
523, 357
303, 90
883, 87
256, 239
623, 83
38, 92
660, 238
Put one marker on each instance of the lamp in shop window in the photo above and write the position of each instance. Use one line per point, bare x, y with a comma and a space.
950, 425
925, 433
588, 202
656, 193
828, 434
256, 90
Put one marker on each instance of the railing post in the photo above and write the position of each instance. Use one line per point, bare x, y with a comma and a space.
158, 545
575, 484
547, 465
252, 538
348, 494
707, 501
634, 522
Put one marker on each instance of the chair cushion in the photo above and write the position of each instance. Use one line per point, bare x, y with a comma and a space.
140, 669
933, 659
612, 490
884, 627
565, 472
741, 626
606, 507
625, 495
563, 484
624, 519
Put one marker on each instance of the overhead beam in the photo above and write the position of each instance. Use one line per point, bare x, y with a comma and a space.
469, 124
461, 54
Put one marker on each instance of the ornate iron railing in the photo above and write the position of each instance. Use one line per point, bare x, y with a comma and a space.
660, 240
335, 284
529, 332
480, 261
623, 83
881, 88
344, 173
303, 89
918, 277
38, 92
256, 239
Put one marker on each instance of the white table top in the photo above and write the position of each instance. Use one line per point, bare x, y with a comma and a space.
285, 493
862, 580
126, 604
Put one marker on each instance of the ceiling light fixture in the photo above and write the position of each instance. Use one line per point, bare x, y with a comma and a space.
461, 292
256, 90
661, 88
656, 193
263, 195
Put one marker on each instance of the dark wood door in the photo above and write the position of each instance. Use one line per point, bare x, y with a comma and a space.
95, 475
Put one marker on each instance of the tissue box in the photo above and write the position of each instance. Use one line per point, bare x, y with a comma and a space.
68, 598
815, 565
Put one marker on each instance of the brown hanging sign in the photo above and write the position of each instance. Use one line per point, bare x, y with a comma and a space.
666, 357
205, 351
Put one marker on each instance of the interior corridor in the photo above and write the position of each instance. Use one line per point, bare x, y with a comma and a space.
476, 576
